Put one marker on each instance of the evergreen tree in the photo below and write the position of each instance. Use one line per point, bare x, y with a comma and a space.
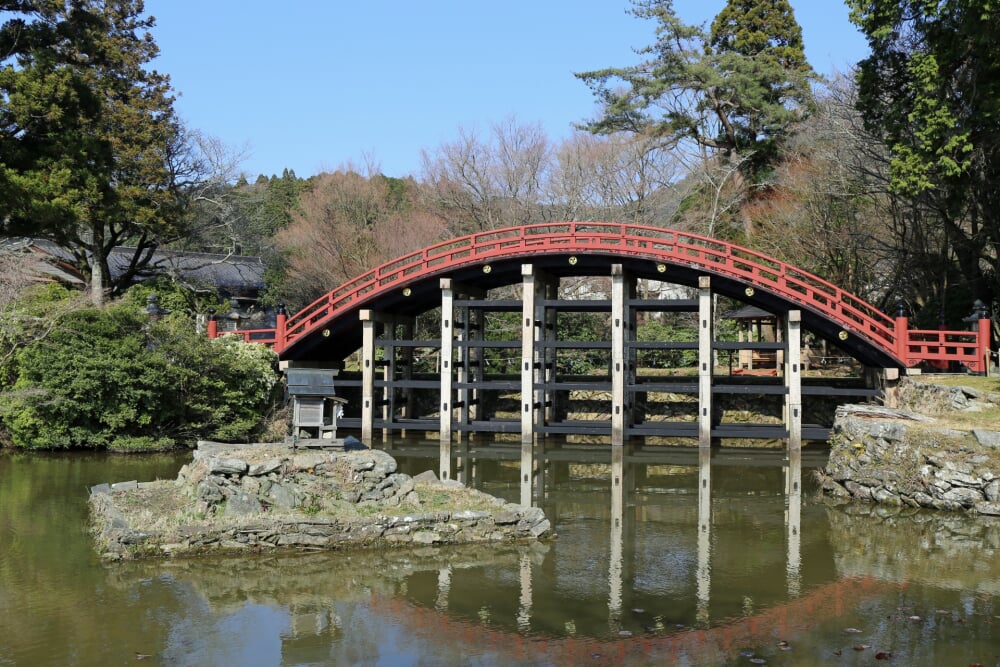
92, 150
759, 43
735, 90
282, 200
110, 379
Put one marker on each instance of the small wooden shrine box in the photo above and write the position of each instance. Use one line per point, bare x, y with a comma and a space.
315, 405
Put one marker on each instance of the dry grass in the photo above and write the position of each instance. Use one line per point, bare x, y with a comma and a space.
987, 419
977, 382
435, 498
163, 507
153, 505
986, 415
960, 446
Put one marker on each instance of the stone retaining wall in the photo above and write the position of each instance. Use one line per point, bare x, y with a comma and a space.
896, 456
260, 498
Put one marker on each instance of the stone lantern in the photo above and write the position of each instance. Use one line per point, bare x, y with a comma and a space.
231, 321
153, 309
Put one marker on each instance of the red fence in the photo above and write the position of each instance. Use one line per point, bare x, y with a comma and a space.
664, 246
939, 349
267, 337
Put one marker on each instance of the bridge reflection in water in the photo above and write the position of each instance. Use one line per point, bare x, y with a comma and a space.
616, 477
692, 557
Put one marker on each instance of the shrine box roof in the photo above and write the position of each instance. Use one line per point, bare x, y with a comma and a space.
311, 381
749, 313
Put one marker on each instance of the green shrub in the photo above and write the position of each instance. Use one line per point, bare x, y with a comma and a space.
672, 331
110, 379
28, 318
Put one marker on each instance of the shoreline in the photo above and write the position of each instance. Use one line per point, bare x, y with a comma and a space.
927, 451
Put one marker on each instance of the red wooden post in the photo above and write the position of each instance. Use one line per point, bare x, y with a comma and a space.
280, 326
902, 334
942, 348
983, 341
213, 325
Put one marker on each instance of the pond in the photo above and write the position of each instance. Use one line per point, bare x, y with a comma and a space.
727, 560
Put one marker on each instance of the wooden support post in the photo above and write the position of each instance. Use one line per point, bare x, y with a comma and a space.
468, 366
370, 319
533, 290
447, 382
619, 325
548, 320
407, 410
632, 413
793, 379
367, 376
474, 368
984, 344
901, 332
388, 376
462, 393
705, 363
280, 328
455, 328
888, 380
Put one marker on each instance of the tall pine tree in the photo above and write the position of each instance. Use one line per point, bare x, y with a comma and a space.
759, 44
735, 90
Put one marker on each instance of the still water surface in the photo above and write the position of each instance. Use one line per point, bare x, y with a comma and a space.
718, 564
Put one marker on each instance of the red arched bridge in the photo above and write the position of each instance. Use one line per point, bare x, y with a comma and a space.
662, 254
456, 276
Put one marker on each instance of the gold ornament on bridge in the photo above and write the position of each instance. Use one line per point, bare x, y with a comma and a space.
572, 260
407, 291
661, 268
487, 268
326, 333
749, 291
843, 335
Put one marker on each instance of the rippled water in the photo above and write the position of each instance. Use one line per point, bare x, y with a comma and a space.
718, 564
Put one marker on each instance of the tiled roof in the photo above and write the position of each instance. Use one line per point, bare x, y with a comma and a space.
230, 273
227, 272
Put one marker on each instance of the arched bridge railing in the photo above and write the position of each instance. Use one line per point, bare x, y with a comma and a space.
702, 253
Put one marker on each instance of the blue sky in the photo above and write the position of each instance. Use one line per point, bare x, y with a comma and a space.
324, 82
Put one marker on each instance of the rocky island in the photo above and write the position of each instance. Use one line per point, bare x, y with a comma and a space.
256, 498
